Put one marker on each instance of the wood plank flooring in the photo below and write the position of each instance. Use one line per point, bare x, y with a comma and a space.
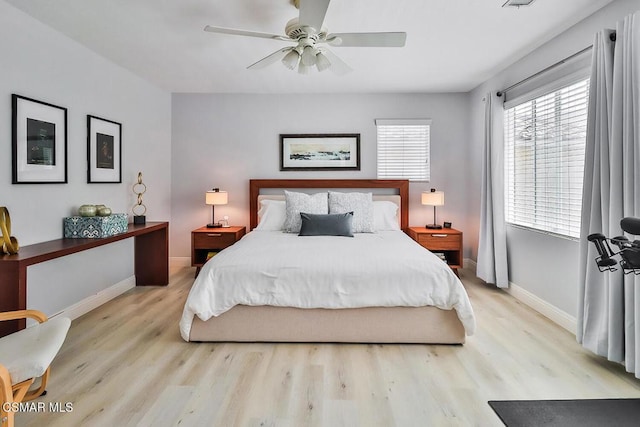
124, 364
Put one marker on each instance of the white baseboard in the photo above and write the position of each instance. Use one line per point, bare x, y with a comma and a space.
94, 301
470, 264
548, 310
180, 261
543, 307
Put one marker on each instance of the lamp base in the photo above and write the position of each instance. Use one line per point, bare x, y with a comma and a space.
216, 225
433, 226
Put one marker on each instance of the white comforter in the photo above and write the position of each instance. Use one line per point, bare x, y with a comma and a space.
282, 269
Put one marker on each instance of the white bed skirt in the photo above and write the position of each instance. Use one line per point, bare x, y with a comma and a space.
426, 325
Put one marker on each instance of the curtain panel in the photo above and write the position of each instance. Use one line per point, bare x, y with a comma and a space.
609, 302
492, 243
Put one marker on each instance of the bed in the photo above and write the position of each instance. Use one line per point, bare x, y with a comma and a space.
374, 287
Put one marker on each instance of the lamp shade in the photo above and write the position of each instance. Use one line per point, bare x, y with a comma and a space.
433, 198
215, 197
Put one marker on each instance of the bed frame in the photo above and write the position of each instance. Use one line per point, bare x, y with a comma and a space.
427, 325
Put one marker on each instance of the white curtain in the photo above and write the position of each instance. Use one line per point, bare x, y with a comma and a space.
492, 244
609, 302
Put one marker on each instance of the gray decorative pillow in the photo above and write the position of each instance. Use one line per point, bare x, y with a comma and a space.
302, 202
361, 204
326, 225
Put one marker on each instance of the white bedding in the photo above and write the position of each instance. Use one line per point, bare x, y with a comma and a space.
386, 268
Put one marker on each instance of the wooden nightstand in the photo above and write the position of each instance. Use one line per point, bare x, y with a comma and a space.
447, 241
205, 240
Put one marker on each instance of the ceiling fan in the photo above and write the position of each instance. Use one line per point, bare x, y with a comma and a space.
309, 36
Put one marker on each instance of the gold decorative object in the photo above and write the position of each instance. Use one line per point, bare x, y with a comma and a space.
139, 209
87, 210
9, 243
104, 211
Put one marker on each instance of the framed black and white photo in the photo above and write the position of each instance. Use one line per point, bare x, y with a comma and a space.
104, 150
39, 142
319, 152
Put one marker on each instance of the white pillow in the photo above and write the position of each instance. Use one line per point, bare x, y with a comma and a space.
271, 215
361, 204
385, 216
302, 202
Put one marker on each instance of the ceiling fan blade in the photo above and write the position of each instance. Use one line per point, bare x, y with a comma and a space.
338, 66
367, 39
312, 13
235, 32
268, 60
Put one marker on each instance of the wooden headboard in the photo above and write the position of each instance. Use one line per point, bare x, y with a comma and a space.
400, 185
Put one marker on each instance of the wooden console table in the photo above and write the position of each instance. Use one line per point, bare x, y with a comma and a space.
151, 263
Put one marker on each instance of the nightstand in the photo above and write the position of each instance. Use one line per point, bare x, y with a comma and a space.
206, 242
446, 242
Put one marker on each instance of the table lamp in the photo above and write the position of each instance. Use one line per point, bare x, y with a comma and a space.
213, 198
433, 198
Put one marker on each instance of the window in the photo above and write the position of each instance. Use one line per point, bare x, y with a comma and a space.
544, 159
403, 149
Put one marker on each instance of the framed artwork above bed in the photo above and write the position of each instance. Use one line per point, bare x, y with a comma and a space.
315, 152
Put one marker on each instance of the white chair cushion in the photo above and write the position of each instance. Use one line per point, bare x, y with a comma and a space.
29, 352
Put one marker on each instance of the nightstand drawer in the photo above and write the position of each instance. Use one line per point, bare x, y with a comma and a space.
440, 241
213, 240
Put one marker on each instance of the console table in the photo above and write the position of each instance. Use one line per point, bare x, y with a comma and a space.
151, 263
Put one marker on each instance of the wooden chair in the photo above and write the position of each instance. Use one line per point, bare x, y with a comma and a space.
25, 356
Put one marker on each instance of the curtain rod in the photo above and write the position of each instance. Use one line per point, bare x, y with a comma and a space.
612, 37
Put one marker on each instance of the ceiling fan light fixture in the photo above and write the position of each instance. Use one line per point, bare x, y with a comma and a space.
291, 59
308, 57
303, 69
322, 62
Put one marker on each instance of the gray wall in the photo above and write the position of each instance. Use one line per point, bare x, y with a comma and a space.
544, 265
40, 63
225, 140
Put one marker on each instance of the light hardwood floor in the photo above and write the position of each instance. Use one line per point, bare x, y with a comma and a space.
124, 364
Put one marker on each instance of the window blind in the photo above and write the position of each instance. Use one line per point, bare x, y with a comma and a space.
403, 149
544, 160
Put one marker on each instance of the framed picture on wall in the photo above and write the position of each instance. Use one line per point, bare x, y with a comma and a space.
39, 142
319, 152
104, 150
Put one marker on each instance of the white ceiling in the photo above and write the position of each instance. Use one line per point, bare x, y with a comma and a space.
452, 45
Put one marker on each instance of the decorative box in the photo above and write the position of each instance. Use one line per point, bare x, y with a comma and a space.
94, 227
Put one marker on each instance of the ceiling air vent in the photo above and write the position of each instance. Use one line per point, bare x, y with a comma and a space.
517, 3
